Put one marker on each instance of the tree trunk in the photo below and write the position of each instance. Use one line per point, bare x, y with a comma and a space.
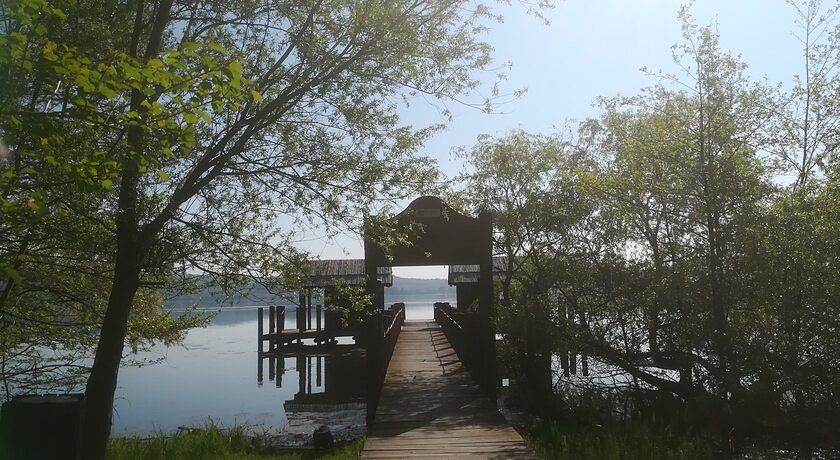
99, 393
132, 247
131, 251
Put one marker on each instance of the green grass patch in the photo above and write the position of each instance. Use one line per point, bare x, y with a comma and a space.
620, 442
214, 443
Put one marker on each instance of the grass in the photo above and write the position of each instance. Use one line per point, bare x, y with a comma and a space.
214, 443
630, 441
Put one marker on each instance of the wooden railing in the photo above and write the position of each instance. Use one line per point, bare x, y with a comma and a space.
460, 329
394, 318
384, 330
463, 330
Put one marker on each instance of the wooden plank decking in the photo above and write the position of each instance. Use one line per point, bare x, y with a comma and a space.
431, 407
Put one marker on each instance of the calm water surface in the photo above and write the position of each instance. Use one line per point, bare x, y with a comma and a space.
212, 376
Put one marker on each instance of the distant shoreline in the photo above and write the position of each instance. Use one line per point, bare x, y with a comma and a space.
210, 299
294, 307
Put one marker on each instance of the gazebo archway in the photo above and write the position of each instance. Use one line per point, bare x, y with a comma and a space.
440, 235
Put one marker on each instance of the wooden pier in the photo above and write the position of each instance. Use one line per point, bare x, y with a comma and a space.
430, 406
312, 322
431, 386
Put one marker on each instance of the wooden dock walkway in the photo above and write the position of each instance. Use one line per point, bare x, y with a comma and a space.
430, 406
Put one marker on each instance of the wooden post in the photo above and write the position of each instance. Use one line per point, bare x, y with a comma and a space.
486, 362
318, 317
308, 308
300, 365
564, 362
281, 368
259, 346
573, 351
271, 343
584, 359
281, 318
259, 331
564, 352
328, 293
372, 328
300, 320
272, 322
318, 370
309, 375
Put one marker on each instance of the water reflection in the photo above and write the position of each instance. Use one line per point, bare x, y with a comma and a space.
324, 378
329, 390
211, 377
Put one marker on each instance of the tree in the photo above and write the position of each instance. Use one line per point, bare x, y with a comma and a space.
209, 122
531, 185
662, 242
804, 137
695, 211
639, 237
804, 149
55, 265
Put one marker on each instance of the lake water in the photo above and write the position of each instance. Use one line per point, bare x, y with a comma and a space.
212, 377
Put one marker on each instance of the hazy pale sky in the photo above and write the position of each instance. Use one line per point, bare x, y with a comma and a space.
593, 48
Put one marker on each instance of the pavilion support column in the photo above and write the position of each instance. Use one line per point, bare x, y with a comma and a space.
373, 333
466, 293
487, 329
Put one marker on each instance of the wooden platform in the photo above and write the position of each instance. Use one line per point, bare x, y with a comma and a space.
290, 335
430, 406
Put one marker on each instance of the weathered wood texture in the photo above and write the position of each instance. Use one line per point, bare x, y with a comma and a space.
430, 406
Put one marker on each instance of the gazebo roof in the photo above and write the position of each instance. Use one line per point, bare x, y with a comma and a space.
333, 272
469, 273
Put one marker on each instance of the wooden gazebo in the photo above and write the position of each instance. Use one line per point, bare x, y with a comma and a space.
437, 234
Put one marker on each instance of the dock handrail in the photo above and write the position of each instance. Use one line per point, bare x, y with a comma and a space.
398, 311
387, 327
460, 330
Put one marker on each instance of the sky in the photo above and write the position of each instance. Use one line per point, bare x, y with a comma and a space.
590, 48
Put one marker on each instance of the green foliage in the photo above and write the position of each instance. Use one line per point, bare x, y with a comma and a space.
615, 442
530, 184
214, 443
349, 301
660, 242
217, 130
54, 199
161, 139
